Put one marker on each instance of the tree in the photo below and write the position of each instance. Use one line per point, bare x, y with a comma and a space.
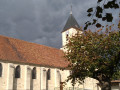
103, 11
95, 55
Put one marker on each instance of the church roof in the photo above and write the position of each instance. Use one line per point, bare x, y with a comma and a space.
71, 23
19, 51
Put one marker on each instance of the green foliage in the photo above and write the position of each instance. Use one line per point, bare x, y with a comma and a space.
94, 54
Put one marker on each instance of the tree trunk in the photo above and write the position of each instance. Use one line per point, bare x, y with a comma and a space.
61, 85
105, 85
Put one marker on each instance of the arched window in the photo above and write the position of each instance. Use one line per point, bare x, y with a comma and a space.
58, 78
48, 74
67, 35
34, 73
17, 72
59, 75
70, 72
0, 70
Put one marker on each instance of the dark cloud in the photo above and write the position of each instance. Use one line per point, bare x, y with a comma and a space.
40, 21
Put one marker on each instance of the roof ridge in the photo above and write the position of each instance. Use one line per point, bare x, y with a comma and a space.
28, 42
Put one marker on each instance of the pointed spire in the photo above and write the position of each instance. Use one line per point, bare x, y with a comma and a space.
71, 22
71, 10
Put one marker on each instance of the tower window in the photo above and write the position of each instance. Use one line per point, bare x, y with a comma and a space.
34, 73
66, 37
48, 74
0, 70
17, 72
67, 34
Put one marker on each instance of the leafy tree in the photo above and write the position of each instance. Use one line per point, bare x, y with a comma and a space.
95, 55
103, 11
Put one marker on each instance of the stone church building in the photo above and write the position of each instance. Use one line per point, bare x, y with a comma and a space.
30, 66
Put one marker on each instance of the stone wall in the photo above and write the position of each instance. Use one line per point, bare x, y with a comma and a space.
25, 82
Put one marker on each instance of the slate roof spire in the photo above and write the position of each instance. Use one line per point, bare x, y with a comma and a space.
71, 22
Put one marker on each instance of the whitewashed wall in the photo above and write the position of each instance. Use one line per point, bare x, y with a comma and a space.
25, 82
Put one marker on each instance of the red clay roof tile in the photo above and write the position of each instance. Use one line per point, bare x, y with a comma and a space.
25, 52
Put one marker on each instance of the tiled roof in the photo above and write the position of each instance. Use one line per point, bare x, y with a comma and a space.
20, 51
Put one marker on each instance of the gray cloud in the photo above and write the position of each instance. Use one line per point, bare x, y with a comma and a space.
40, 21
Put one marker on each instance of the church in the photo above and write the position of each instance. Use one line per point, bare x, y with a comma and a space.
30, 66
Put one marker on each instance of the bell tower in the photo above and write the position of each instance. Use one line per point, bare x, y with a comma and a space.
70, 29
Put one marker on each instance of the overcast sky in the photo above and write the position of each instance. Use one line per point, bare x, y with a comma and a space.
40, 21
